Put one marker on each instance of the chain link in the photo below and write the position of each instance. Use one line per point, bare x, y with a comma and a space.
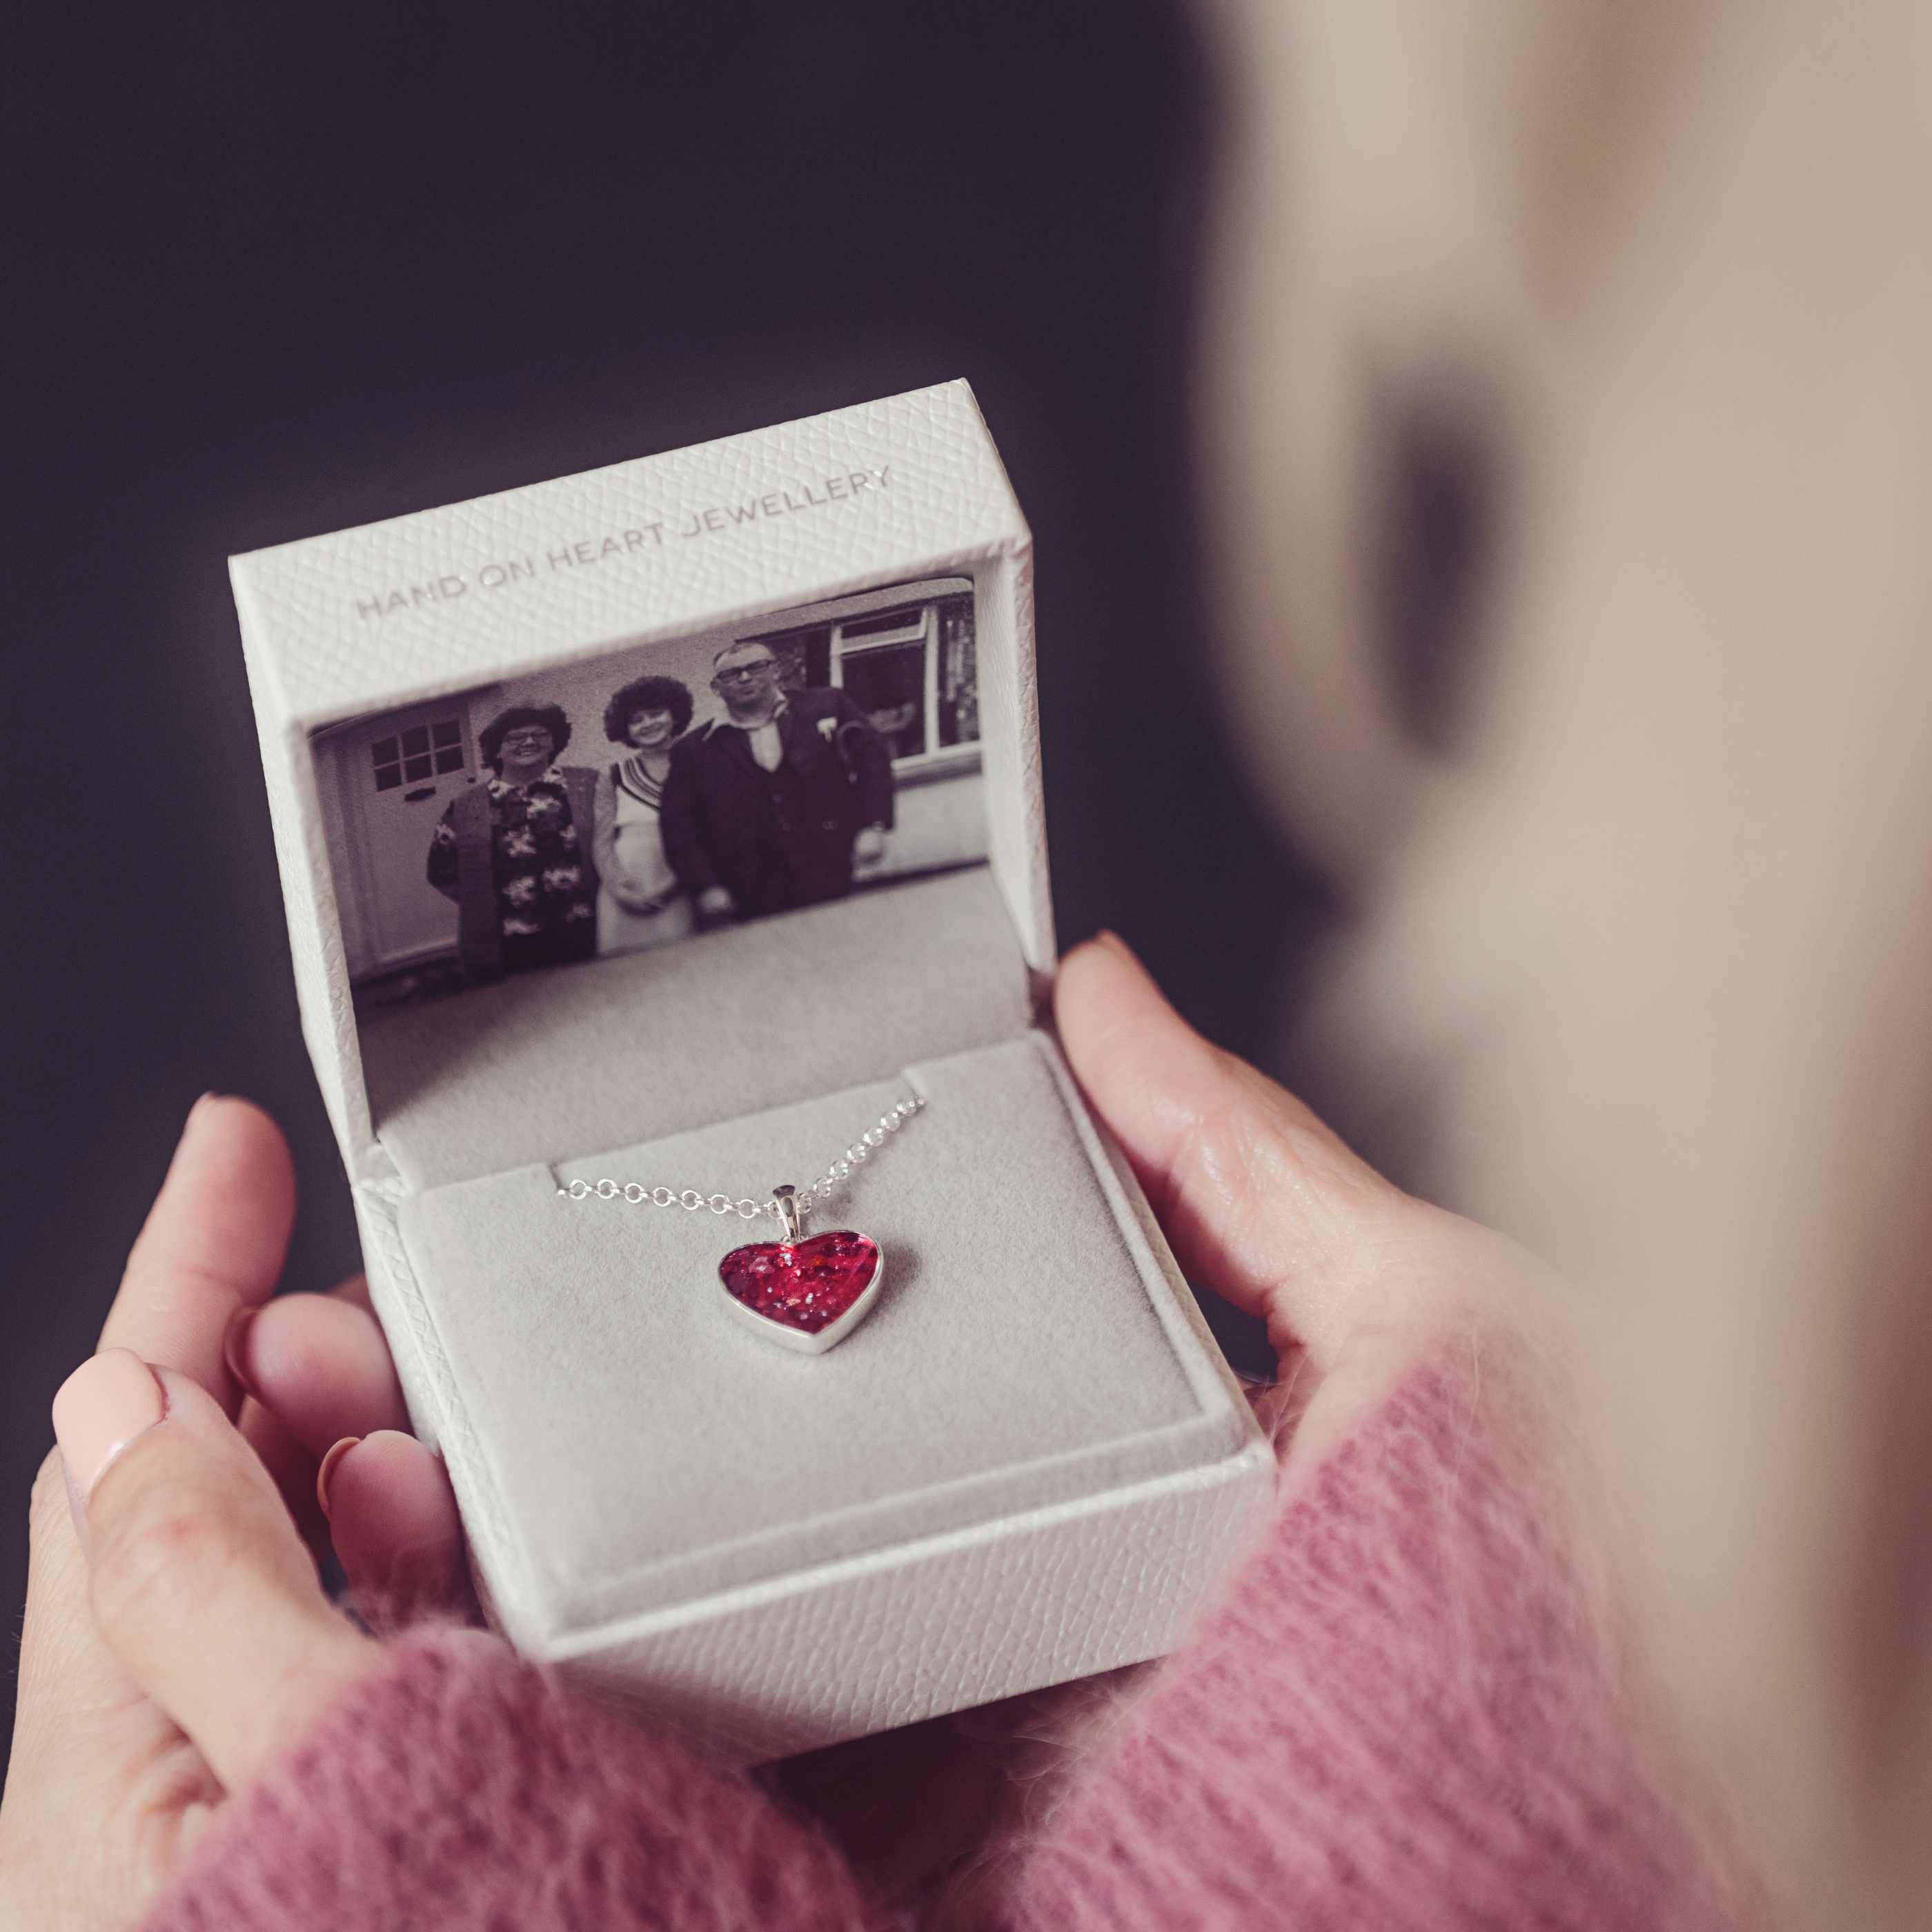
636, 1195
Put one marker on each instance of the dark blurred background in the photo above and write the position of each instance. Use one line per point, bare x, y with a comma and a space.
272, 271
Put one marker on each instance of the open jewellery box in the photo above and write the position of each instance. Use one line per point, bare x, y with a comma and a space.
1030, 1462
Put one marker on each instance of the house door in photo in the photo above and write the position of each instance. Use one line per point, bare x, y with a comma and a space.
398, 774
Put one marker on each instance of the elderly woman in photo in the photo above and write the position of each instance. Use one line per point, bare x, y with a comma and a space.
515, 853
642, 904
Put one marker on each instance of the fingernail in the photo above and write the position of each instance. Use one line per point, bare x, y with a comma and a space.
324, 1475
101, 1409
235, 1347
200, 1105
1114, 942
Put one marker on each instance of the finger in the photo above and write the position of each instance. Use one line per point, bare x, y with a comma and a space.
198, 1582
319, 1365
317, 1369
392, 1516
291, 1467
215, 1236
56, 1609
78, 1720
353, 1288
214, 1241
1261, 1201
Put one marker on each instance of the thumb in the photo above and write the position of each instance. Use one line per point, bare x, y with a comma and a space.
1262, 1202
199, 1581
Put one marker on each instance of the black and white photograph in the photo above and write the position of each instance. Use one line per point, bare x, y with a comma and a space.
653, 795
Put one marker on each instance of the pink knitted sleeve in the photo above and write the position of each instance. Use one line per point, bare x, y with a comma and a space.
465, 1791
1406, 1711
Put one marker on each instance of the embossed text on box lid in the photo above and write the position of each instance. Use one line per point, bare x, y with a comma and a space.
380, 614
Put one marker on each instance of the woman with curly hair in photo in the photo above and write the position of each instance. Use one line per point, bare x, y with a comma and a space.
514, 853
641, 903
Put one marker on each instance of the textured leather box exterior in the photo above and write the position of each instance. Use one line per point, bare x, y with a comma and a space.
370, 619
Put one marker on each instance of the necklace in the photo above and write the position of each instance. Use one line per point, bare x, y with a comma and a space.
807, 1292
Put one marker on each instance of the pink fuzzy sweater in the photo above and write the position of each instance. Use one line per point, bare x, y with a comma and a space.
1401, 1712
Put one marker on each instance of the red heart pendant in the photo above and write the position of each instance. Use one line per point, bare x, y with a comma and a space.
806, 1294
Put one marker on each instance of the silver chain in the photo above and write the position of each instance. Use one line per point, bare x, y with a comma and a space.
821, 1190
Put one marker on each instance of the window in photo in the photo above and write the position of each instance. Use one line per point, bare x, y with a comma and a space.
409, 757
884, 665
910, 669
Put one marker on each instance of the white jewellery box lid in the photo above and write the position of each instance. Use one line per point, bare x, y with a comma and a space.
375, 654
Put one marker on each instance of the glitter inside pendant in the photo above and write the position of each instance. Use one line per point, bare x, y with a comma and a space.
806, 1292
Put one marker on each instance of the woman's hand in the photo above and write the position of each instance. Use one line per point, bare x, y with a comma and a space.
635, 899
1266, 1206
177, 1637
1355, 1280
189, 1642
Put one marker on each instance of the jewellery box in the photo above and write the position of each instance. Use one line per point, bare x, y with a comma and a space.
1030, 1462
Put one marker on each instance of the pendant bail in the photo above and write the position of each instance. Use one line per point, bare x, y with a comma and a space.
791, 1216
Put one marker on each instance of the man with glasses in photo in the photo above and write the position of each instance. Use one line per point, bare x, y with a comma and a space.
774, 805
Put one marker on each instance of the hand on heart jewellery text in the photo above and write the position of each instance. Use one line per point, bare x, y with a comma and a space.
804, 1291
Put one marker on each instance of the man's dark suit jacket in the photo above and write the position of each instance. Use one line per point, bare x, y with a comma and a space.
777, 840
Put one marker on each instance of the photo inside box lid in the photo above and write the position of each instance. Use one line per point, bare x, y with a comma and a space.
625, 896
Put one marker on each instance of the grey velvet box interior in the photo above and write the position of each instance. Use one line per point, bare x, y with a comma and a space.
645, 1447
547, 1065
